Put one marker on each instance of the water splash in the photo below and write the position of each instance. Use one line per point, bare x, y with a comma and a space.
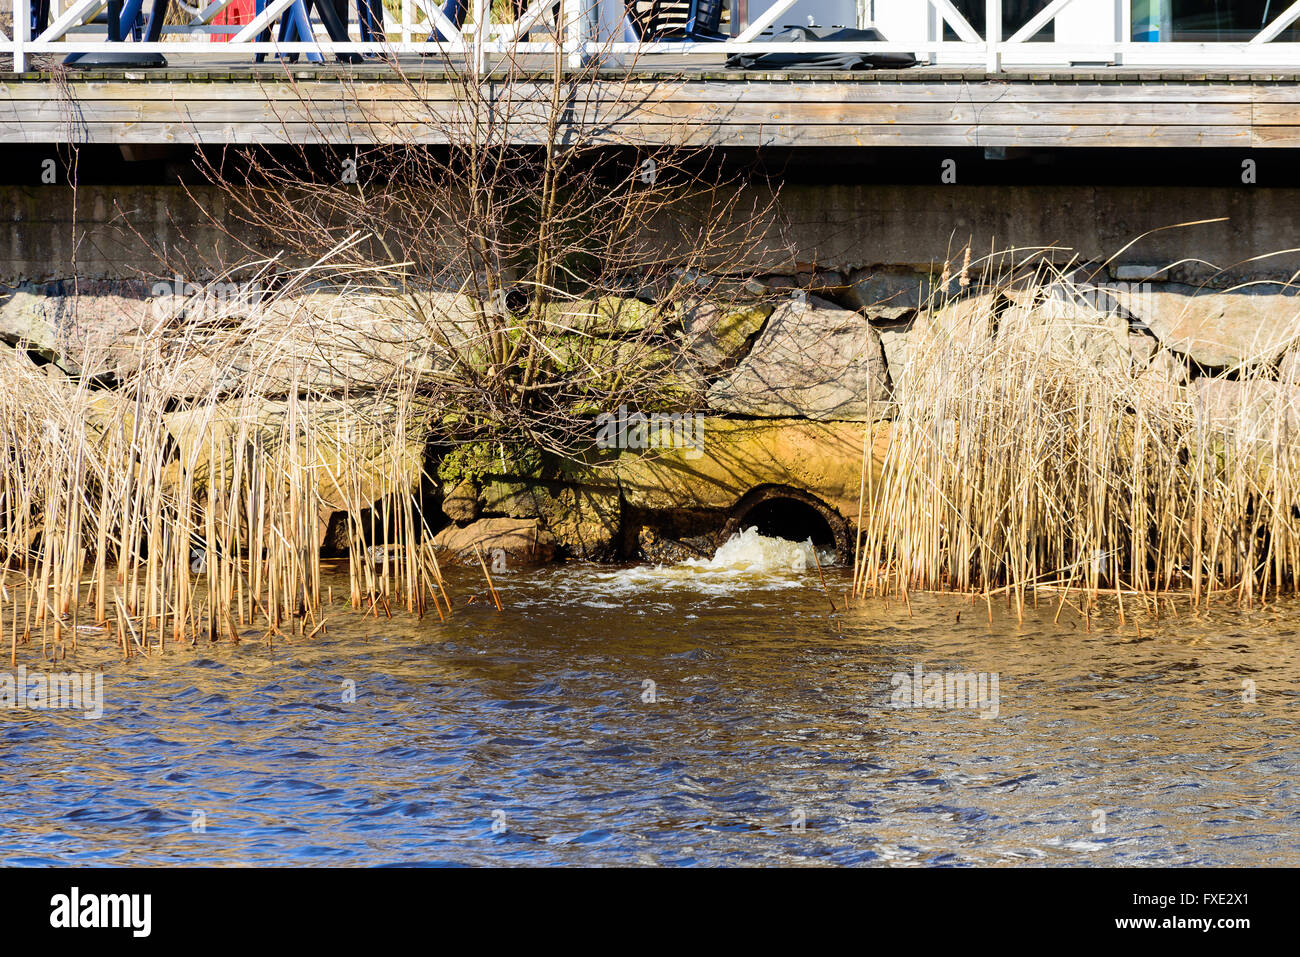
748, 551
746, 562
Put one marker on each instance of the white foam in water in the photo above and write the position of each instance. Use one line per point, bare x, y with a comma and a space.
748, 551
744, 562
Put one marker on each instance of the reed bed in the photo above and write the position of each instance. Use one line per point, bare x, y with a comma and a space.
189, 498
1028, 450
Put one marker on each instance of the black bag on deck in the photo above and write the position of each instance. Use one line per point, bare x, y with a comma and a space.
822, 61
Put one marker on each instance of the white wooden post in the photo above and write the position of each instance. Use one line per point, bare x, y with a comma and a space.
22, 33
900, 21
482, 14
1092, 21
1124, 31
406, 22
993, 35
576, 29
739, 16
599, 22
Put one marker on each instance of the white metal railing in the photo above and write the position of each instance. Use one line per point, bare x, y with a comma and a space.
1086, 32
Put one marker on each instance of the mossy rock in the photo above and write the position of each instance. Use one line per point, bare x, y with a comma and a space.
716, 334
603, 358
461, 503
585, 520
603, 316
474, 461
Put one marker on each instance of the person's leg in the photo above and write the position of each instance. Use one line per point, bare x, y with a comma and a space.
371, 20
334, 15
265, 35
363, 20
40, 17
289, 31
455, 11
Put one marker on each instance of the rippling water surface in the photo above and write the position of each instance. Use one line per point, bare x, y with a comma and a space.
526, 737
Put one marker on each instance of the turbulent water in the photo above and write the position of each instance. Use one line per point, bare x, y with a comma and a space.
714, 712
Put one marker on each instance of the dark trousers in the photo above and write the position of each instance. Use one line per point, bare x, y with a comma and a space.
370, 18
40, 17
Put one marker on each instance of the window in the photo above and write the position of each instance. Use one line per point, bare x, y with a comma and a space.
1207, 21
1203, 21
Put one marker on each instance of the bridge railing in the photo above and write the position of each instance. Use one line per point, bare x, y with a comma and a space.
1091, 32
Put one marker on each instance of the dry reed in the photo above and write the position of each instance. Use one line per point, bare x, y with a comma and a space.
1028, 450
191, 498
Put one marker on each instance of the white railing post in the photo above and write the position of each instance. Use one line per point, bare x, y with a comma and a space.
482, 14
577, 29
993, 35
739, 10
406, 22
22, 33
1092, 23
905, 22
609, 29
1124, 28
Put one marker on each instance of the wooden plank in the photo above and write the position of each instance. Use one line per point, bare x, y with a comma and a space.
1276, 137
151, 84
1204, 115
832, 112
671, 133
1276, 114
688, 90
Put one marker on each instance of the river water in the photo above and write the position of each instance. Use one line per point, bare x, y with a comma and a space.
716, 712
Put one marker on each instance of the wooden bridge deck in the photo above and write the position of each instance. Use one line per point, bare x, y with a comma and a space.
696, 102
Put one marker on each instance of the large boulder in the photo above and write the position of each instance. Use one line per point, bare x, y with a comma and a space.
967, 318
895, 342
584, 518
888, 295
599, 363
461, 503
962, 320
603, 316
822, 458
716, 334
218, 341
349, 447
813, 360
334, 342
590, 522
520, 541
94, 335
1219, 329
1253, 410
1073, 332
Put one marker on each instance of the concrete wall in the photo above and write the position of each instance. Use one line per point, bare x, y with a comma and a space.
842, 227
104, 232
112, 232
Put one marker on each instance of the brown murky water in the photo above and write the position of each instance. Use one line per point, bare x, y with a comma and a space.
530, 736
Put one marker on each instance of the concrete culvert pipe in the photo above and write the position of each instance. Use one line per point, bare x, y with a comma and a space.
779, 511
